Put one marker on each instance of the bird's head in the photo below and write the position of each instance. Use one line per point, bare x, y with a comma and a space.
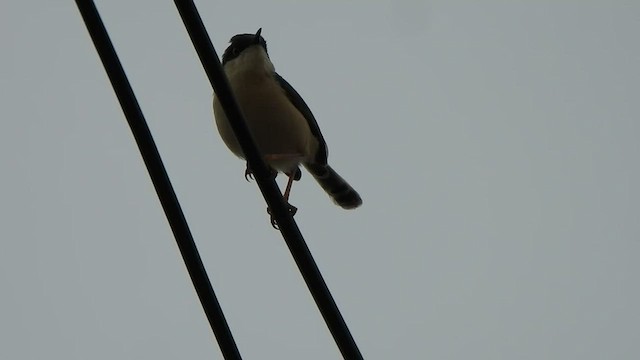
245, 45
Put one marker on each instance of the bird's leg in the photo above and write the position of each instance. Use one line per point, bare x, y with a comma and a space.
287, 190
293, 175
292, 209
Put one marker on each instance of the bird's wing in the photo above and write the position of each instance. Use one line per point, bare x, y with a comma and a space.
298, 102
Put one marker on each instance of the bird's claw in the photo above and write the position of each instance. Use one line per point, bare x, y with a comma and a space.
292, 210
248, 174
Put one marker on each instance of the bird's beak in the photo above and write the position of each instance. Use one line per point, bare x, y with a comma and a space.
257, 36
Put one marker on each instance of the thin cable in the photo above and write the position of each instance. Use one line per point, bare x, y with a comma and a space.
159, 177
266, 183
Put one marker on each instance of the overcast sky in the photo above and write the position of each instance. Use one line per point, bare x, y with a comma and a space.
494, 143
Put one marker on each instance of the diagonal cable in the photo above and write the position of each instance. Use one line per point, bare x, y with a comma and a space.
159, 177
289, 229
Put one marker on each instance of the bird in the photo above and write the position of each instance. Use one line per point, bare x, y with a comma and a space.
283, 127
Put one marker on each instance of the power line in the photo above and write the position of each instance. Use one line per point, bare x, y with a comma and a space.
289, 229
159, 177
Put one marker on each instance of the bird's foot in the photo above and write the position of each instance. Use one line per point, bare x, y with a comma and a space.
292, 210
248, 173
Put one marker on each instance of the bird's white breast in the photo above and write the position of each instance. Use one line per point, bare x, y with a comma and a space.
277, 127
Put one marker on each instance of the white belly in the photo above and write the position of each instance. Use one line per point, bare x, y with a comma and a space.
278, 128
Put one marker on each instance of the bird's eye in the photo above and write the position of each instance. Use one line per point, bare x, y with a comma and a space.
235, 51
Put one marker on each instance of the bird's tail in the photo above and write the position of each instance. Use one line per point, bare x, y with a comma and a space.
340, 191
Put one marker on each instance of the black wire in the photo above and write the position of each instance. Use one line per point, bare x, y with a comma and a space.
286, 224
159, 178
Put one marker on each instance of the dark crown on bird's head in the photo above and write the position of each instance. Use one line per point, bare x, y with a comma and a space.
240, 42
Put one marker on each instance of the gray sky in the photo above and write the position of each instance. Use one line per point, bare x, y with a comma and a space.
494, 144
